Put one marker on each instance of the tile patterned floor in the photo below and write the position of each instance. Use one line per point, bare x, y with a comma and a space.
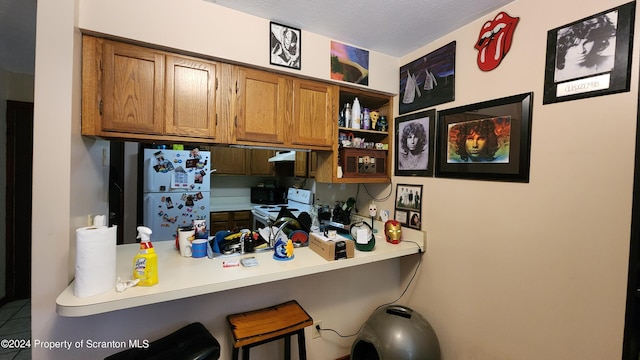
15, 323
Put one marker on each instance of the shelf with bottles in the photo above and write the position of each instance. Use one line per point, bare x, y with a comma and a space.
371, 102
329, 166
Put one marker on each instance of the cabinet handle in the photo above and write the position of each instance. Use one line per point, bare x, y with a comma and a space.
100, 107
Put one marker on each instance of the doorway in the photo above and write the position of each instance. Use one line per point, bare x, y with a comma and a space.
18, 199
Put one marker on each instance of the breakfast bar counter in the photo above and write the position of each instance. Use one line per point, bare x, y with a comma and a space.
182, 277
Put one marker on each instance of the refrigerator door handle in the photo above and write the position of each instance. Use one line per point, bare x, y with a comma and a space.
150, 179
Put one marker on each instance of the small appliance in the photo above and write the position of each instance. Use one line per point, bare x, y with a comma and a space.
268, 195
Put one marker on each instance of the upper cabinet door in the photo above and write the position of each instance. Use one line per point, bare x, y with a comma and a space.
314, 113
262, 106
190, 97
133, 89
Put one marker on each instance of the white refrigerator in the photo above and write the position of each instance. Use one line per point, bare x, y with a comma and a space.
176, 190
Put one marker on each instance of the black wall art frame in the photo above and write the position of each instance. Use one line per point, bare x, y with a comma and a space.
590, 57
429, 80
285, 45
415, 144
408, 205
490, 140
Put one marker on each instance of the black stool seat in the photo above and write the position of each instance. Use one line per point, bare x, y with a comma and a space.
192, 342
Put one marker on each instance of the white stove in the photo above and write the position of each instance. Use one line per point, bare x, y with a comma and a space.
298, 201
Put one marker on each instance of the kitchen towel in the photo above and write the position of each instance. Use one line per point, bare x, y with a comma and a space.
95, 260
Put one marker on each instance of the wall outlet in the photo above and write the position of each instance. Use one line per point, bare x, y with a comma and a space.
315, 332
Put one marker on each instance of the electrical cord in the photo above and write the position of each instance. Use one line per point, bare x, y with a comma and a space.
319, 329
374, 198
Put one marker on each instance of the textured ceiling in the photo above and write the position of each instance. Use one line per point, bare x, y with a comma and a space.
393, 27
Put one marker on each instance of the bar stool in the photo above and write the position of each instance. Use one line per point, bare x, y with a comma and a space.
191, 342
257, 327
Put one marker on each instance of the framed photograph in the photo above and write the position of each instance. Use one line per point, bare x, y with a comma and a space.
408, 210
285, 43
590, 57
429, 80
490, 140
415, 135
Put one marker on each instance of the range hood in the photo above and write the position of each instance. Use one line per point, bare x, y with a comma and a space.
283, 156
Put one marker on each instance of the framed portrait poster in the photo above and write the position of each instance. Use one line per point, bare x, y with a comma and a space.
590, 57
429, 80
408, 205
285, 45
490, 140
414, 139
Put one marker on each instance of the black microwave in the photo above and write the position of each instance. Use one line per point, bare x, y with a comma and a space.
270, 196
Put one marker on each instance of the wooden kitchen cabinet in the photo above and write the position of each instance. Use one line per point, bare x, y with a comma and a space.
229, 160
300, 165
137, 93
239, 161
261, 106
312, 165
190, 97
229, 220
314, 113
282, 111
259, 162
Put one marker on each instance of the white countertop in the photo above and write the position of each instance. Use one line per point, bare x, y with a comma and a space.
176, 280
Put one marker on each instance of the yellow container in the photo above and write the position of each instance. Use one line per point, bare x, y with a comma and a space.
145, 263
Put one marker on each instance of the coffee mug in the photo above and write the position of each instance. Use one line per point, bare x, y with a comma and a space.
185, 236
199, 248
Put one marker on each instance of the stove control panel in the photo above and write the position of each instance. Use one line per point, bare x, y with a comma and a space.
300, 196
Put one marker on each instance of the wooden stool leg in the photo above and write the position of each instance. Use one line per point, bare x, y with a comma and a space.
234, 353
287, 347
245, 352
302, 347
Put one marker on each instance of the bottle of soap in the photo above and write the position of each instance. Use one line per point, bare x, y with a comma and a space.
356, 116
145, 263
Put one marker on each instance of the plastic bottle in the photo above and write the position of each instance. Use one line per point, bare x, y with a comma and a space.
366, 119
347, 115
145, 263
356, 116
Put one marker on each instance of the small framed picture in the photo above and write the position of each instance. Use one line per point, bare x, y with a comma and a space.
414, 135
590, 57
285, 44
409, 205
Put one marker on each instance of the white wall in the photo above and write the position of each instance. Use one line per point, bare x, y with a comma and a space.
537, 270
525, 271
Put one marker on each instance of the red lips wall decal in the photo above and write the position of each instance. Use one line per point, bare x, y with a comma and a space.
494, 40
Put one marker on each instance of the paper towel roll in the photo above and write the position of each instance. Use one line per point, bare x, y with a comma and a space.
95, 260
